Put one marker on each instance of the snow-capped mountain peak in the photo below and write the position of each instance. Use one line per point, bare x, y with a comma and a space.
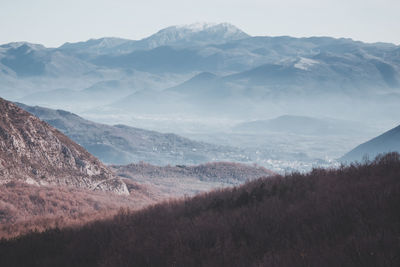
196, 27
25, 45
206, 26
197, 33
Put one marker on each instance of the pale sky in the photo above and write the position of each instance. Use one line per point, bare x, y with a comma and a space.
54, 22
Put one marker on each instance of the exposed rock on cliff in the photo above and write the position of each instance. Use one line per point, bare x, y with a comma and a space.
34, 152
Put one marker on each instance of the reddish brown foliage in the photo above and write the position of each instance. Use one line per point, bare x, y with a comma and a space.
26, 207
344, 217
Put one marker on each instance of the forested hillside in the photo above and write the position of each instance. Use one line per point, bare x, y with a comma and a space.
340, 217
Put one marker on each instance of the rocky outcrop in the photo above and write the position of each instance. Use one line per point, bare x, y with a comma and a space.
34, 152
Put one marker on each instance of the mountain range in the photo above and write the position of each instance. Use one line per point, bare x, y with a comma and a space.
207, 78
205, 69
196, 34
228, 95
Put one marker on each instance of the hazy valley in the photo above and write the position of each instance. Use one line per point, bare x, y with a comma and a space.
206, 82
200, 145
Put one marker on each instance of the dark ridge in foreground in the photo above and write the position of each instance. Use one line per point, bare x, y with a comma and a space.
343, 217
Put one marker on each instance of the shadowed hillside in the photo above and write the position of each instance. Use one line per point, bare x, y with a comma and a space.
342, 217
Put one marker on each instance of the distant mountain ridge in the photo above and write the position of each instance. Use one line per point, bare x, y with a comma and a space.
121, 144
181, 36
165, 74
302, 125
195, 34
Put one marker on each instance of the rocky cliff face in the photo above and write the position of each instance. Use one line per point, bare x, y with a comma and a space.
34, 152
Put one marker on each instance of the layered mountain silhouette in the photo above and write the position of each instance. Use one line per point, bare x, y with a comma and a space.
206, 73
196, 34
33, 152
387, 142
259, 67
121, 144
51, 174
181, 36
291, 124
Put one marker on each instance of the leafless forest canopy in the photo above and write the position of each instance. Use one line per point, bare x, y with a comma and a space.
340, 217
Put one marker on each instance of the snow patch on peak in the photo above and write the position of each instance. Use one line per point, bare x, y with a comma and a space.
197, 33
203, 26
110, 42
305, 63
207, 26
197, 27
26, 45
